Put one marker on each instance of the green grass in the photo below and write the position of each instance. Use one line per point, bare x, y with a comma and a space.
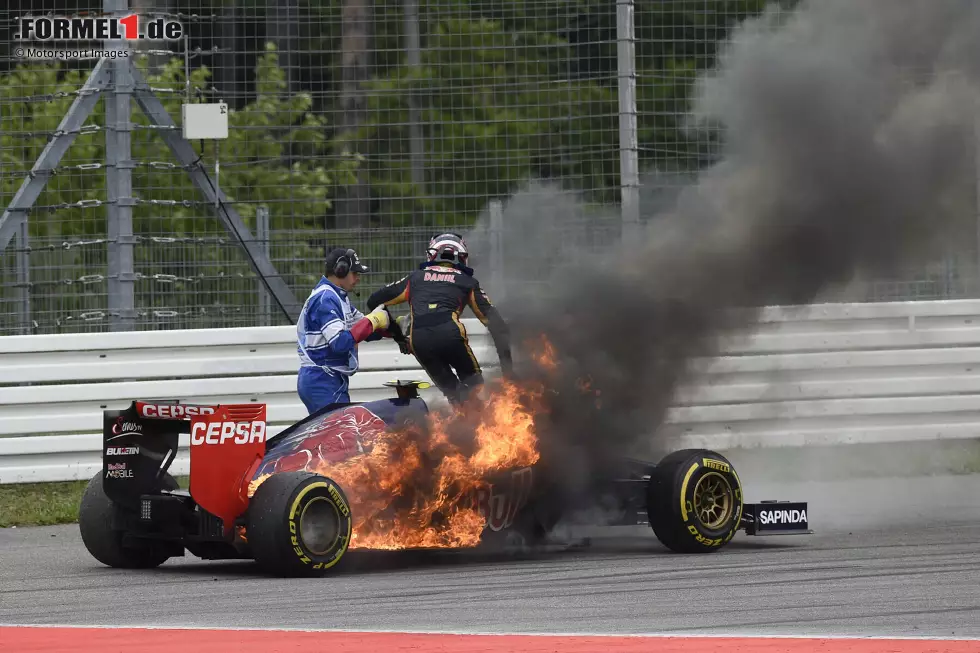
40, 504
44, 504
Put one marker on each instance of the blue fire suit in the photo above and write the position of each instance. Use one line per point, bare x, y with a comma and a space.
326, 348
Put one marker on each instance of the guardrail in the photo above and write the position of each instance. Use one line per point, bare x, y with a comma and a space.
812, 375
53, 388
838, 374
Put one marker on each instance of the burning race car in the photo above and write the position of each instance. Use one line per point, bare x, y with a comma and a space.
341, 479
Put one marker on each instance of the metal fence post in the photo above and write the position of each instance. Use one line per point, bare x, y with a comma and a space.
497, 249
414, 58
119, 187
975, 287
262, 235
23, 244
628, 138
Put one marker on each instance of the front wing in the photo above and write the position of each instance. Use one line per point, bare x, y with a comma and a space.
776, 518
769, 517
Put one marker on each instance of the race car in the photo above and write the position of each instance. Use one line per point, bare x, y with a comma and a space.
300, 523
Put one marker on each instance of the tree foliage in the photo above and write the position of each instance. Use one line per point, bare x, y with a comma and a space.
529, 89
493, 118
276, 153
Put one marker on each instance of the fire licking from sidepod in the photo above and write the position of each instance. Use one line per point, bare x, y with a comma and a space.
416, 485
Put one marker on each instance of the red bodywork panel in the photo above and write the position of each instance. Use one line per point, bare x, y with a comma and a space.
226, 447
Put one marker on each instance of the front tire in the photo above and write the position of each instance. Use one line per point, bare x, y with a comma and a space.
694, 501
299, 524
95, 519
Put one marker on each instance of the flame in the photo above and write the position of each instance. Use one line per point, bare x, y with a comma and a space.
415, 486
254, 484
544, 357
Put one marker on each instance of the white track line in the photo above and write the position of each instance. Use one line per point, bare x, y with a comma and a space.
660, 635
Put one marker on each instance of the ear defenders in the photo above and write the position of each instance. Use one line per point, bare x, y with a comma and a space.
344, 263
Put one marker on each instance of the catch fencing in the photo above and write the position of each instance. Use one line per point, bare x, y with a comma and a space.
833, 374
369, 124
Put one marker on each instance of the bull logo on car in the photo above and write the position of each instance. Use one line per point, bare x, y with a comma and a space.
331, 439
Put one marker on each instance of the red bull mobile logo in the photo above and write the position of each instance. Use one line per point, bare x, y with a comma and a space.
98, 28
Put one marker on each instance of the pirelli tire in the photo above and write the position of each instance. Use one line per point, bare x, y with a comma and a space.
298, 524
96, 514
694, 501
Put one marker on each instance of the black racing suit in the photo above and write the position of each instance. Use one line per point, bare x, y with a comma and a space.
436, 294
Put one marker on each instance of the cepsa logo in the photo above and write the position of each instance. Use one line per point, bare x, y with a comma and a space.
97, 28
221, 432
173, 411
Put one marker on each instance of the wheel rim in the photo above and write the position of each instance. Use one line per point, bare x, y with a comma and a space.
319, 525
713, 500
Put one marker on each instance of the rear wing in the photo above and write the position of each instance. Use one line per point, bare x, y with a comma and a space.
227, 444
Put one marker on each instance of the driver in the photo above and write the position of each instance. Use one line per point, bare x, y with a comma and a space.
437, 293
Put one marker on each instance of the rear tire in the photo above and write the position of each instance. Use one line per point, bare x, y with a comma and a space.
95, 518
694, 501
299, 524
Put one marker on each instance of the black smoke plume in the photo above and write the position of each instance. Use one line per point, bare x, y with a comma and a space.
848, 148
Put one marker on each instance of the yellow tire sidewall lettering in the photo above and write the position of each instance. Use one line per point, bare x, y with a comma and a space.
687, 479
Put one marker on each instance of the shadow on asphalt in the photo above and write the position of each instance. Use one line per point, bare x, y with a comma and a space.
359, 562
